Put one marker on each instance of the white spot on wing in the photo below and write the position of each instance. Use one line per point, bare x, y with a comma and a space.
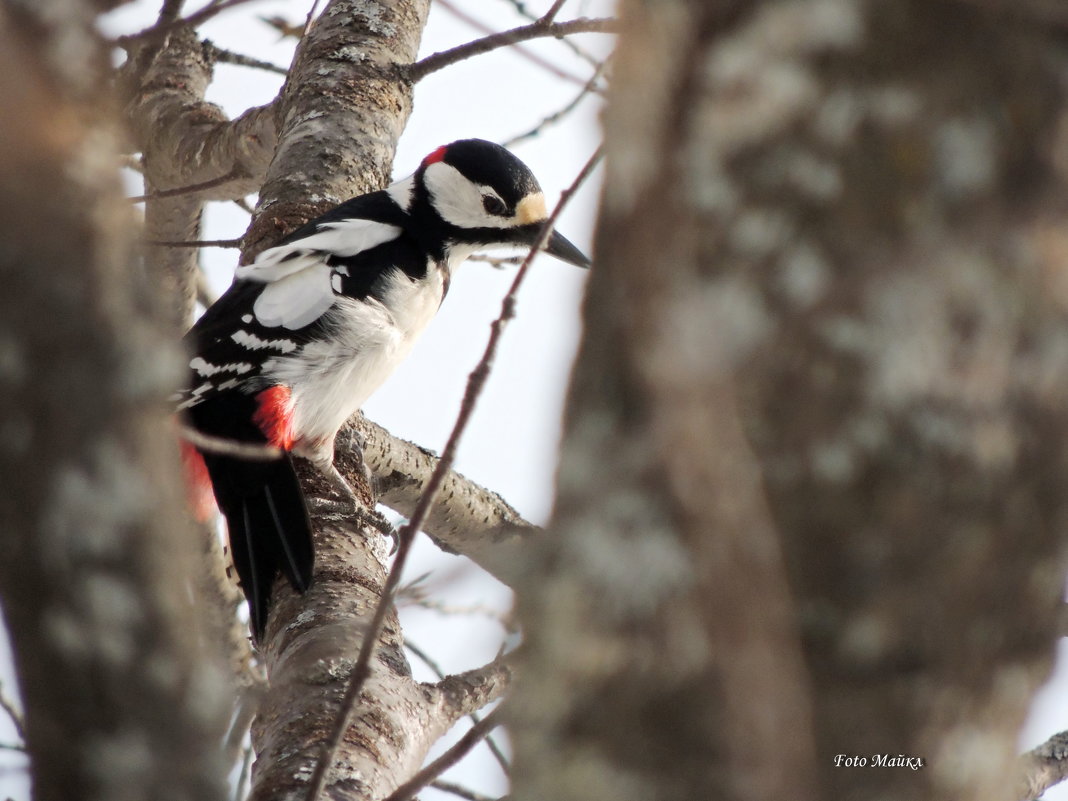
252, 342
207, 369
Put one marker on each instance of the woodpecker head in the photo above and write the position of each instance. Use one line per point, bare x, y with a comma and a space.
476, 195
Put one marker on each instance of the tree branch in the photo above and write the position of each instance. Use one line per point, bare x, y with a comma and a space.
523, 52
8, 706
463, 746
251, 451
536, 30
550, 15
229, 57
466, 693
196, 243
495, 749
1044, 766
555, 117
165, 26
468, 519
571, 45
235, 174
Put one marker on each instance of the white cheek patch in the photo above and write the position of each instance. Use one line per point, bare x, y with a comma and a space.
458, 200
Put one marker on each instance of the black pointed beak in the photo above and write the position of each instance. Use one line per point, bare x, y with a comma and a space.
559, 246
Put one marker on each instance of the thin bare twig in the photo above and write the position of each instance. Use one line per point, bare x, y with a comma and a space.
241, 60
170, 10
462, 792
523, 11
251, 451
550, 15
234, 174
195, 243
285, 28
429, 661
361, 670
500, 262
536, 30
467, 611
529, 55
559, 115
243, 776
446, 760
13, 747
8, 706
158, 31
308, 21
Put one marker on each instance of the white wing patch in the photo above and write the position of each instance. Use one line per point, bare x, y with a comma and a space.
299, 287
296, 300
340, 238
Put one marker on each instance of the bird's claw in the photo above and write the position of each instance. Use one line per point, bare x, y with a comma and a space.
343, 509
378, 522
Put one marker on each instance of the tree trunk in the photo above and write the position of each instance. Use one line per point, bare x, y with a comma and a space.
122, 701
832, 226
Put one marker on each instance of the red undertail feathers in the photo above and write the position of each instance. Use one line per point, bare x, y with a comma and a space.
274, 416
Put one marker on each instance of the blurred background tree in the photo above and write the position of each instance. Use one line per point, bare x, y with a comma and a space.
810, 496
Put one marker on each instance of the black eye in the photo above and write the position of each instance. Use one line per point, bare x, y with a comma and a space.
494, 205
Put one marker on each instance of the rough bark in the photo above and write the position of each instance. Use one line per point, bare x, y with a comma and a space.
186, 142
340, 114
837, 224
121, 699
893, 236
663, 660
339, 117
466, 519
312, 642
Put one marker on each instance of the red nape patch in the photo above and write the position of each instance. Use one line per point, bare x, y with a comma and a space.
198, 490
274, 416
436, 156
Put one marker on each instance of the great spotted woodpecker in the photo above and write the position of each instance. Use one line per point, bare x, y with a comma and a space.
315, 324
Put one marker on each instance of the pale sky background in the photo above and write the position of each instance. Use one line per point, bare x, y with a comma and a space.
511, 443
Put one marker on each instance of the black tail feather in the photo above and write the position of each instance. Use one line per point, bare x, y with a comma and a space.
268, 524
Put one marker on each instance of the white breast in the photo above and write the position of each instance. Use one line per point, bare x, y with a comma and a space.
330, 379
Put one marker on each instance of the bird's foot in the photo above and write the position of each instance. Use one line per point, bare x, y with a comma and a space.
333, 508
